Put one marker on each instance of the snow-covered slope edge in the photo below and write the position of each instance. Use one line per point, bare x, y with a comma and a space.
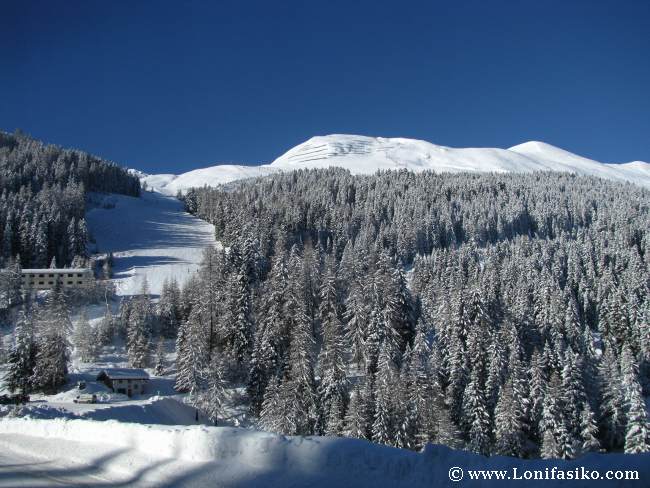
366, 155
321, 459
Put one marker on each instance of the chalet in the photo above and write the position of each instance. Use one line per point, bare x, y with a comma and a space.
45, 279
127, 381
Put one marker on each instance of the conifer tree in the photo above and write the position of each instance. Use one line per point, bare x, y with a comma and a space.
159, 368
355, 422
53, 355
637, 431
293, 405
21, 359
85, 340
509, 425
588, 431
106, 330
190, 360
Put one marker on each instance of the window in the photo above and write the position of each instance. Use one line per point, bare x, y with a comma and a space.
69, 282
119, 381
70, 275
41, 276
80, 275
80, 282
136, 387
51, 276
129, 381
41, 282
32, 276
50, 282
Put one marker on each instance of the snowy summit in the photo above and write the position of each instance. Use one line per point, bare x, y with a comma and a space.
366, 155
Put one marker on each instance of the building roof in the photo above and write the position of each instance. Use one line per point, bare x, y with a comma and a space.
123, 374
55, 270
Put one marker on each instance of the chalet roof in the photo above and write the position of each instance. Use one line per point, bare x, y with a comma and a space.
123, 374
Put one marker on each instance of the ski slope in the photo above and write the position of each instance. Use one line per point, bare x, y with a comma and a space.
150, 237
366, 155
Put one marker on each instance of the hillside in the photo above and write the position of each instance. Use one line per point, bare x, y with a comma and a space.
366, 155
524, 265
151, 237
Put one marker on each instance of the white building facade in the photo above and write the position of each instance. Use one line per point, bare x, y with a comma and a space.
126, 381
46, 279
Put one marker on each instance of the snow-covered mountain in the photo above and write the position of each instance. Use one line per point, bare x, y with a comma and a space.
366, 155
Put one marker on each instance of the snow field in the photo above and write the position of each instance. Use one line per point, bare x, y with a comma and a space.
301, 461
150, 237
366, 155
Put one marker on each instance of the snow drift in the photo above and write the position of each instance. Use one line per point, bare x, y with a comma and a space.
321, 460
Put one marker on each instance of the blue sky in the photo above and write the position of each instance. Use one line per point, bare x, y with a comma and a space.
167, 87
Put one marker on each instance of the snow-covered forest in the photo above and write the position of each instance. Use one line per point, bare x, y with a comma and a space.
499, 313
43, 199
521, 326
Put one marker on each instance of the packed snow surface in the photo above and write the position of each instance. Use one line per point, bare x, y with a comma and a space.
202, 456
366, 155
150, 237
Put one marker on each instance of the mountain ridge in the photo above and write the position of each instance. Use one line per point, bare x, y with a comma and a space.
366, 155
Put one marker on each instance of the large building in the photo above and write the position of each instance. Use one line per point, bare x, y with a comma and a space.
45, 279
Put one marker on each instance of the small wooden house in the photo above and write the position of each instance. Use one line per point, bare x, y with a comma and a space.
126, 381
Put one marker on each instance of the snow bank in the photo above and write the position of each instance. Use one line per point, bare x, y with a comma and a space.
163, 411
326, 459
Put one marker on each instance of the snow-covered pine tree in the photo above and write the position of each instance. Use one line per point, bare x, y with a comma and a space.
106, 273
85, 340
239, 328
21, 359
168, 308
190, 359
475, 416
10, 284
333, 389
509, 426
4, 355
355, 423
383, 427
140, 329
553, 429
612, 407
122, 326
106, 330
206, 302
588, 431
212, 400
637, 430
53, 356
293, 406
161, 350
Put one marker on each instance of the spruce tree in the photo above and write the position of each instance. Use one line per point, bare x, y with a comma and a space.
21, 359
85, 340
53, 356
159, 368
